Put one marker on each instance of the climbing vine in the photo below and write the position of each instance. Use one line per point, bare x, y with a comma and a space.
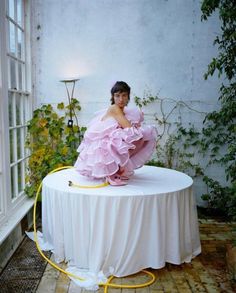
220, 126
175, 149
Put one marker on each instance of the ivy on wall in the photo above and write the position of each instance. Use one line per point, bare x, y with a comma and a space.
176, 149
220, 126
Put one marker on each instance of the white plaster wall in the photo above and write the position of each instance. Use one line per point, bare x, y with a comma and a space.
155, 45
159, 46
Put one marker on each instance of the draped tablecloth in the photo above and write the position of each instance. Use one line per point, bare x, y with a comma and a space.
120, 230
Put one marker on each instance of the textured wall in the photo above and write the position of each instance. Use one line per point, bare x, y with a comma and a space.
152, 44
155, 45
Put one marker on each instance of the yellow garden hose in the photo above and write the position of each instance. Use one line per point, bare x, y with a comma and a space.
70, 183
107, 284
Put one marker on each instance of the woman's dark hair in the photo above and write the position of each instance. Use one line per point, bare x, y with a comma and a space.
119, 87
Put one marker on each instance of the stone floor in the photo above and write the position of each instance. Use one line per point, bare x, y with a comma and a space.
206, 273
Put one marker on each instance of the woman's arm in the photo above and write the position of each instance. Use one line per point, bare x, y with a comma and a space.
118, 114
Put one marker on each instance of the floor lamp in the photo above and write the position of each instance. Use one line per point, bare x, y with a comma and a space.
70, 95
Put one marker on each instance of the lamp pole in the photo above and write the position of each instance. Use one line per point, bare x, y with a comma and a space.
70, 96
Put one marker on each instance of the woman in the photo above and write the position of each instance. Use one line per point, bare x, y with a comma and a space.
115, 142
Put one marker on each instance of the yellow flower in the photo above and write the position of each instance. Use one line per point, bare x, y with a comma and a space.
45, 132
43, 122
64, 150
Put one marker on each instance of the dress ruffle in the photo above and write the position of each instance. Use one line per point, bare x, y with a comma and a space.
106, 146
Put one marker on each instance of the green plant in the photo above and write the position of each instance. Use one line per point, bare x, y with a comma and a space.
215, 143
220, 126
51, 142
179, 152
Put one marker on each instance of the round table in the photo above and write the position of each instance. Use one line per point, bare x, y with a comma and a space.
120, 230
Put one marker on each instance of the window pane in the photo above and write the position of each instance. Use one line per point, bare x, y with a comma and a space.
11, 145
23, 77
24, 151
10, 111
14, 185
18, 144
23, 109
19, 43
19, 12
20, 81
19, 178
12, 74
12, 39
11, 8
14, 145
22, 141
18, 110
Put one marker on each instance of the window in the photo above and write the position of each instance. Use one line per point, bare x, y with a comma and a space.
15, 102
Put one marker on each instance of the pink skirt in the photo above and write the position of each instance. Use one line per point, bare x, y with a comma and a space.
106, 146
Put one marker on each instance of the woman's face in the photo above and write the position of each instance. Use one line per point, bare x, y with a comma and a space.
121, 99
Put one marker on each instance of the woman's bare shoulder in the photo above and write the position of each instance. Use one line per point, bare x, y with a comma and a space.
114, 109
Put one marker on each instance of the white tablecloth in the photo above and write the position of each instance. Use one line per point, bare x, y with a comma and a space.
120, 230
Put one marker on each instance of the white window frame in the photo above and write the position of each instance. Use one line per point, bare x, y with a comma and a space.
12, 210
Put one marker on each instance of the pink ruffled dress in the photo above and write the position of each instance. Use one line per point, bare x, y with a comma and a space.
107, 146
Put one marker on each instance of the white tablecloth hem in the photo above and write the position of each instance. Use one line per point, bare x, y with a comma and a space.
45, 246
91, 280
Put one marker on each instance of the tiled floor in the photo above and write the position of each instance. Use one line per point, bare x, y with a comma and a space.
206, 273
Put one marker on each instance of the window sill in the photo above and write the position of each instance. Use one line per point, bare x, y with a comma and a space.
12, 221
